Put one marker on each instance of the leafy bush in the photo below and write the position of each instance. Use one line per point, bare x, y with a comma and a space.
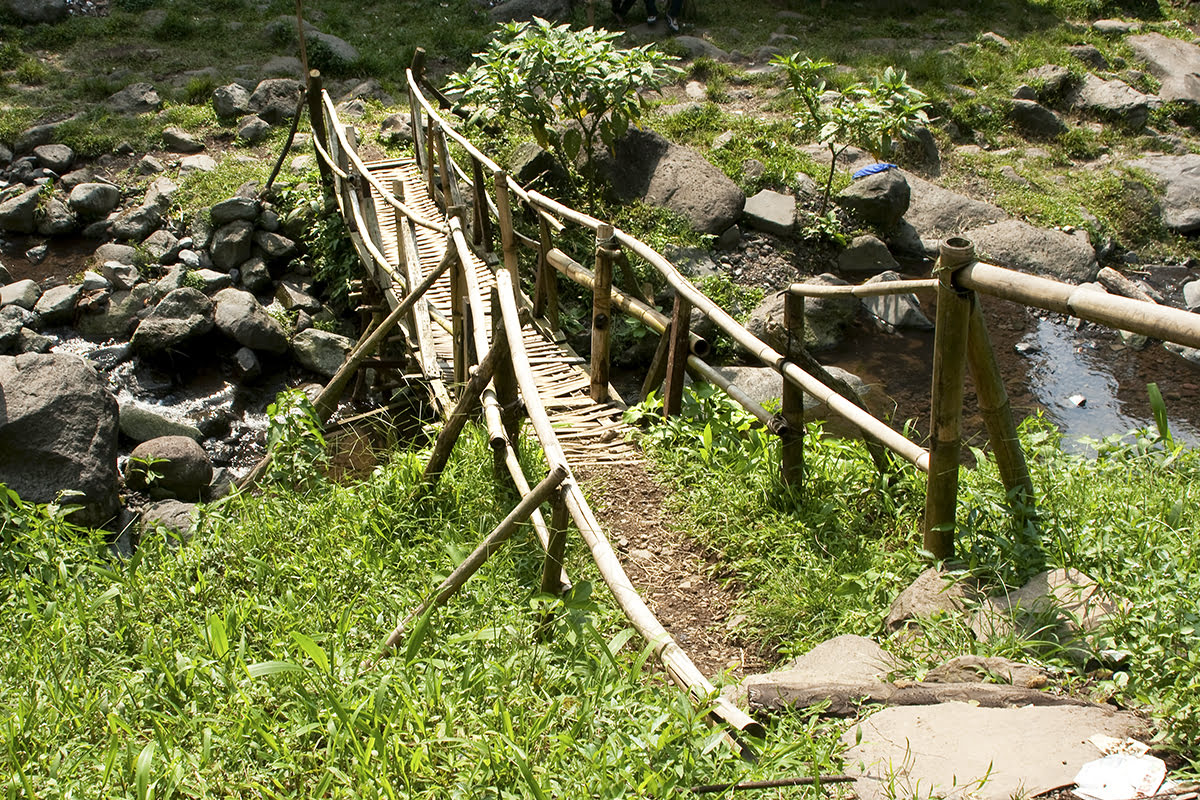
294, 440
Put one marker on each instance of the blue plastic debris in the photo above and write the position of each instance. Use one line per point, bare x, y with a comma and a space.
872, 169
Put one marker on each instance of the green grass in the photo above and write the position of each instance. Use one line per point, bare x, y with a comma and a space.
230, 666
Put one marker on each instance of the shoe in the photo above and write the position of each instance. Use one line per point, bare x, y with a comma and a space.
672, 25
651, 20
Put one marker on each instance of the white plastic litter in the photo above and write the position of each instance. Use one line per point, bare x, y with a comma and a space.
1120, 776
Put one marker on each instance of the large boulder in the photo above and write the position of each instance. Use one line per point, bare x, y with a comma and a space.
242, 318
825, 319
645, 166
1113, 100
174, 465
19, 214
1174, 62
181, 316
1036, 120
1038, 251
93, 200
231, 101
58, 432
35, 11
321, 351
880, 199
1181, 178
137, 98
936, 213
275, 99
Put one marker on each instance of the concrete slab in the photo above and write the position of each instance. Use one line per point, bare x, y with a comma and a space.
956, 750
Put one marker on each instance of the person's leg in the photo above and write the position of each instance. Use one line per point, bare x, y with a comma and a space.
673, 9
651, 11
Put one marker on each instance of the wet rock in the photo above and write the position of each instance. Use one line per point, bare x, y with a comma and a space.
231, 244
94, 200
645, 166
240, 317
771, 212
182, 315
1113, 100
142, 423
1181, 200
177, 140
57, 305
866, 254
137, 98
55, 157
58, 433
1036, 120
181, 467
880, 199
37, 254
18, 214
1038, 251
174, 518
21, 293
231, 101
320, 351
275, 100
1175, 62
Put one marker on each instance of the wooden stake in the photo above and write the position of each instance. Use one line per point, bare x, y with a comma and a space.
677, 356
505, 380
997, 413
657, 372
316, 119
949, 372
602, 314
483, 219
508, 242
450, 193
792, 437
552, 569
490, 544
544, 282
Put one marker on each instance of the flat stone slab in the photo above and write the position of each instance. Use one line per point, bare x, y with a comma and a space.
938, 213
956, 750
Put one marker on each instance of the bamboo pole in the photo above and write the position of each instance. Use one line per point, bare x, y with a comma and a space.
674, 659
870, 426
505, 381
450, 193
316, 119
505, 220
945, 417
677, 354
431, 158
483, 233
791, 449
701, 369
545, 287
657, 373
490, 544
602, 314
418, 129
997, 413
552, 569
863, 290
426, 350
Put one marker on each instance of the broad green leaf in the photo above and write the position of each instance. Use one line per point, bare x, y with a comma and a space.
263, 669
312, 650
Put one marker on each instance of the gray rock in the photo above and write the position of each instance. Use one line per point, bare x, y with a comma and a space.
1089, 55
282, 66
396, 128
141, 423
993, 669
94, 282
18, 214
21, 293
120, 276
58, 433
6, 155
234, 209
772, 212
1036, 120
695, 47
174, 279
1191, 295
1175, 62
240, 317
159, 245
34, 137
55, 157
231, 101
1116, 27
173, 517
1060, 606
5, 275
1180, 201
252, 129
214, 281
920, 152
55, 219
936, 213
183, 468
255, 277
647, 167
825, 319
177, 140
895, 312
137, 98
149, 165
1018, 245
995, 39
1025, 92
94, 200
845, 671
999, 753
111, 251
56, 306
246, 364
275, 99
866, 254
1050, 81
275, 247
343, 53
880, 199
136, 224
231, 244
320, 351
118, 316
533, 166
1113, 100
525, 10
196, 163
30, 341
931, 594
36, 11
181, 316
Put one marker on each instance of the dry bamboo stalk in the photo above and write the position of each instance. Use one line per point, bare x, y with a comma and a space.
652, 318
471, 280
677, 354
316, 119
480, 554
673, 658
450, 193
420, 312
863, 290
1115, 282
483, 219
505, 220
869, 425
703, 370
945, 416
418, 125
1156, 321
791, 449
602, 315
996, 411
430, 157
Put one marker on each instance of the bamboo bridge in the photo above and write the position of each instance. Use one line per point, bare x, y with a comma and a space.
436, 233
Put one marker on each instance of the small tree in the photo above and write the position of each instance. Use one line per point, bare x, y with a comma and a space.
575, 89
872, 115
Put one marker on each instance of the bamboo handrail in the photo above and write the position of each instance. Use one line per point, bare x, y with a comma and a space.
329, 160
864, 289
1085, 302
387, 196
868, 424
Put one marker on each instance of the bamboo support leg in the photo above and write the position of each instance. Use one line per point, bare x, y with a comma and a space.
505, 381
316, 118
677, 357
508, 239
792, 436
997, 413
480, 554
949, 373
602, 314
658, 365
552, 569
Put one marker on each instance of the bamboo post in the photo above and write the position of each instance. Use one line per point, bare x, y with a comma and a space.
430, 149
792, 436
508, 241
552, 569
545, 301
602, 313
657, 372
450, 193
483, 220
505, 380
458, 294
316, 119
471, 564
997, 413
677, 356
949, 373
415, 113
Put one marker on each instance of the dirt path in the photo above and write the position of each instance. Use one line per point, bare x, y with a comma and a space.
670, 570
